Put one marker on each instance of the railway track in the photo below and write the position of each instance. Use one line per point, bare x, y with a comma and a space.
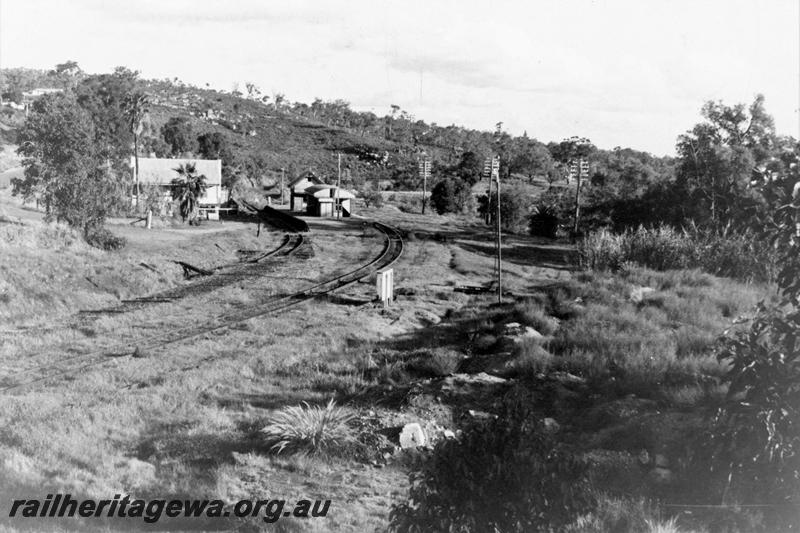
219, 278
18, 381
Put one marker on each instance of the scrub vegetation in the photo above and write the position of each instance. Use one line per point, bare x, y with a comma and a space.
640, 373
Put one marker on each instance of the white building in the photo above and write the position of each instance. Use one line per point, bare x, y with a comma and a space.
161, 172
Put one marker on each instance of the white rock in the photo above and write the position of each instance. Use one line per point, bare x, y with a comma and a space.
639, 294
566, 377
412, 436
448, 434
428, 317
529, 333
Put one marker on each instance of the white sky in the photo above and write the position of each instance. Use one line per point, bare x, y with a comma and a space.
621, 72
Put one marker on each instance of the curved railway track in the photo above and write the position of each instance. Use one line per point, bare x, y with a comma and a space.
221, 276
391, 252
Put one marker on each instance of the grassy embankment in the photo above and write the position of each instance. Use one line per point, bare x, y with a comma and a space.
183, 421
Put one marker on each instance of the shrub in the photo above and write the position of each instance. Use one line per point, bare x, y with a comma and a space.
105, 240
757, 432
451, 196
506, 475
433, 364
372, 198
723, 252
514, 207
308, 429
544, 222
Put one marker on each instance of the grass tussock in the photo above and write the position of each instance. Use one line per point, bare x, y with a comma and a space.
309, 429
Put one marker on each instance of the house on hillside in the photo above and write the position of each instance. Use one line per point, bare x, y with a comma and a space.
297, 189
161, 172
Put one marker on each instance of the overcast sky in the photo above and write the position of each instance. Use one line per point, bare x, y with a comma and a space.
621, 72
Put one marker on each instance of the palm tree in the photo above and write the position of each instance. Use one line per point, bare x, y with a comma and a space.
136, 107
187, 189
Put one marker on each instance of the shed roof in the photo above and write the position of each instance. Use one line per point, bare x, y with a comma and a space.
162, 171
309, 175
328, 191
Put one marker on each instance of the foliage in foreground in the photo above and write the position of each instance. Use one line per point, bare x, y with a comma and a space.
505, 475
308, 429
757, 433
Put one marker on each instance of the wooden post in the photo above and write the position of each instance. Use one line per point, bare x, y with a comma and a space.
338, 186
424, 187
499, 244
283, 173
577, 200
136, 168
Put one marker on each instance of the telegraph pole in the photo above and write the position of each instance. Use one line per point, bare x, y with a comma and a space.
496, 176
338, 186
582, 168
487, 173
424, 166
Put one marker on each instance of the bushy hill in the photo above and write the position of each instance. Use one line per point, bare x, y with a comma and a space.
261, 138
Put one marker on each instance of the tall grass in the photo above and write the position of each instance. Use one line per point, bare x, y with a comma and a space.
722, 252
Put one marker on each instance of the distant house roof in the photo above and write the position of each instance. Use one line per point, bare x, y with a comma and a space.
41, 91
328, 191
162, 171
309, 175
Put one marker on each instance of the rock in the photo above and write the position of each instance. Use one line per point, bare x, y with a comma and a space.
550, 424
481, 378
448, 434
412, 436
512, 328
529, 333
639, 294
567, 378
481, 415
427, 317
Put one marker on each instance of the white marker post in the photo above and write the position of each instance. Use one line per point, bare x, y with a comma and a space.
385, 286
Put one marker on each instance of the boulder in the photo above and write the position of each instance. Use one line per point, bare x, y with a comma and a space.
427, 317
529, 333
412, 436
